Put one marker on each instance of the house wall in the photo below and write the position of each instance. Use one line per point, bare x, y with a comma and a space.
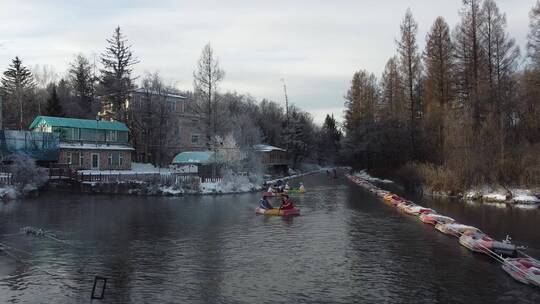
275, 157
103, 159
176, 134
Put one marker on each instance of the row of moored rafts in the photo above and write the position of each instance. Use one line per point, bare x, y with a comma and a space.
523, 269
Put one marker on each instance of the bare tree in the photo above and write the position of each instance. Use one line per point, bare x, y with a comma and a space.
392, 92
411, 70
533, 45
44, 75
438, 61
206, 80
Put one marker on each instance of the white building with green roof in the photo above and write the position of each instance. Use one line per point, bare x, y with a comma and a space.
89, 144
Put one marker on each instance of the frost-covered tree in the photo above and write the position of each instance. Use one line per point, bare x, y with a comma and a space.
533, 44
26, 176
298, 136
227, 152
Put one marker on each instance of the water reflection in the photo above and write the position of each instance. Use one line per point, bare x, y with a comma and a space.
345, 247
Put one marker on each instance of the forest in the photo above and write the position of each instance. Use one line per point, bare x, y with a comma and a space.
461, 111
102, 87
458, 112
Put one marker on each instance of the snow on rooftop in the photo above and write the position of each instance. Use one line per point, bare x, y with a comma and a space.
86, 146
267, 148
145, 91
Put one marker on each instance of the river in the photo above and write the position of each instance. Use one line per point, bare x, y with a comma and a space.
347, 246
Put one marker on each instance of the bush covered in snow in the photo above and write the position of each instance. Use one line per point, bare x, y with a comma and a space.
26, 175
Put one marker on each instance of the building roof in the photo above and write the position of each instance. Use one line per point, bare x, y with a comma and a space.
194, 157
267, 148
78, 123
145, 91
83, 146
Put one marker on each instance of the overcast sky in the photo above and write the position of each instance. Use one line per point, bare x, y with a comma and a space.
314, 45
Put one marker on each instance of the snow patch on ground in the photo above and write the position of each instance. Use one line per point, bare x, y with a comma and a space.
135, 168
230, 184
489, 194
8, 193
524, 196
364, 175
171, 190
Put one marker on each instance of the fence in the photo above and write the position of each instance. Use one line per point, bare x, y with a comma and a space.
169, 178
5, 179
154, 178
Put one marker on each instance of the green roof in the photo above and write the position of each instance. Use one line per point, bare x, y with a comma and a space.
78, 123
193, 157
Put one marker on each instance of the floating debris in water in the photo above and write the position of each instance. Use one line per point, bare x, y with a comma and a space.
33, 231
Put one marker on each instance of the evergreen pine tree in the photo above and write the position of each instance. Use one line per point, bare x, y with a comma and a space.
54, 108
82, 81
17, 84
116, 80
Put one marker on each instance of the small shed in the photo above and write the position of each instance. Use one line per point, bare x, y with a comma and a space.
201, 163
275, 159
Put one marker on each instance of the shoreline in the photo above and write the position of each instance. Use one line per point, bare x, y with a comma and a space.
489, 194
139, 188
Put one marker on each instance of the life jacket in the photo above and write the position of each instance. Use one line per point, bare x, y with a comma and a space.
287, 204
264, 204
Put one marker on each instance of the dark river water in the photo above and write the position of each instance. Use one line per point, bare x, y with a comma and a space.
347, 246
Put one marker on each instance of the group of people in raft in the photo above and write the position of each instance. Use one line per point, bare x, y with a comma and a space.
279, 187
286, 203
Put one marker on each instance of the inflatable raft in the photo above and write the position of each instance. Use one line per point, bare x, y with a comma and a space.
434, 219
417, 210
480, 242
524, 270
277, 211
455, 229
274, 194
296, 191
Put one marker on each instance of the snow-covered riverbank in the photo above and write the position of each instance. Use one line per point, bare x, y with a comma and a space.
489, 194
8, 193
512, 195
229, 184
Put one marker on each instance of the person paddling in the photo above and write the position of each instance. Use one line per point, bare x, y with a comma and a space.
265, 204
286, 203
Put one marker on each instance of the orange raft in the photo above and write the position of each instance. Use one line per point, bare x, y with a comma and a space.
277, 211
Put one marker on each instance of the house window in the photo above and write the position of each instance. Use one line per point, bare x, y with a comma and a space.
109, 160
72, 133
121, 158
81, 159
69, 158
114, 159
195, 139
112, 136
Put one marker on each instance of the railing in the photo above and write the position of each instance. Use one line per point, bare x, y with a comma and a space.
155, 178
169, 178
5, 179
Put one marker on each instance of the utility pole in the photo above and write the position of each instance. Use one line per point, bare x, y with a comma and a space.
286, 103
